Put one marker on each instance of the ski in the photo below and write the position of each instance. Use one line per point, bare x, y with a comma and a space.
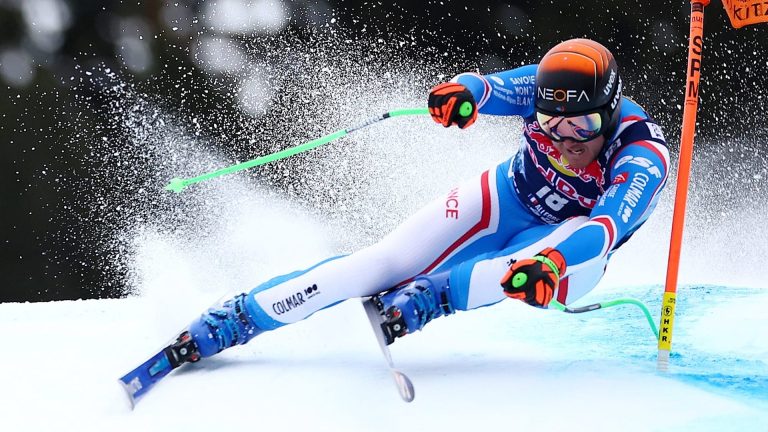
140, 380
376, 318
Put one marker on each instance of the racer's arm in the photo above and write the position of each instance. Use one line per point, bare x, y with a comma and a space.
511, 92
639, 172
457, 102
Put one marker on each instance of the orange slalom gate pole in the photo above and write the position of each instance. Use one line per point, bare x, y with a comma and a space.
695, 47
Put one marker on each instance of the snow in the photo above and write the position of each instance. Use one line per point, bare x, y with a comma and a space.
507, 367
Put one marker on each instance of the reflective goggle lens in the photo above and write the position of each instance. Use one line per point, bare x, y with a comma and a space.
579, 128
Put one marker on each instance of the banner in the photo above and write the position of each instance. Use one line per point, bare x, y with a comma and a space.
746, 12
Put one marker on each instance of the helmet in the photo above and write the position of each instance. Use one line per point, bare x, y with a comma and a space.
576, 77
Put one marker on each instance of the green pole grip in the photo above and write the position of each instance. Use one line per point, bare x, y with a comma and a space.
519, 280
465, 110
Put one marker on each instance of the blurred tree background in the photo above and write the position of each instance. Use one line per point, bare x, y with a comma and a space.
48, 46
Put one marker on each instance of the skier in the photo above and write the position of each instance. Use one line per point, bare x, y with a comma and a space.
540, 226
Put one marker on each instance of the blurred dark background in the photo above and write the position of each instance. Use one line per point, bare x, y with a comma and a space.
48, 48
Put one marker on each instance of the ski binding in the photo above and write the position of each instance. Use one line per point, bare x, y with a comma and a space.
385, 336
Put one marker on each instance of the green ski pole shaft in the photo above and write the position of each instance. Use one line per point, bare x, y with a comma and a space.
602, 305
178, 184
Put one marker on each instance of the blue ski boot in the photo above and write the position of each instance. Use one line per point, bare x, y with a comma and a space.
409, 308
222, 327
219, 328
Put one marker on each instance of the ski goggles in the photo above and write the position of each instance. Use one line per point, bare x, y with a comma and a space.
578, 128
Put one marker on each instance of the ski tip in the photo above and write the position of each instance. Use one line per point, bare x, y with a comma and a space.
404, 386
128, 392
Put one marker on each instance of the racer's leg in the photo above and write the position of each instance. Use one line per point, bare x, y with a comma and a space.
474, 218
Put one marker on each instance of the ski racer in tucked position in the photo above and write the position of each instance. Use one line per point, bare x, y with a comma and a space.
540, 226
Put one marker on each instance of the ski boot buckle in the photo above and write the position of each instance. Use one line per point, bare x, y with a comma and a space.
393, 325
182, 351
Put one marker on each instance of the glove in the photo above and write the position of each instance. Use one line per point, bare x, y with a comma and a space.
452, 104
534, 280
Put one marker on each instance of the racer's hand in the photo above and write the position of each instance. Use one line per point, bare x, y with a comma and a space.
534, 280
452, 104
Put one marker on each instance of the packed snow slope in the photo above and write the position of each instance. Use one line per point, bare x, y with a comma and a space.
508, 367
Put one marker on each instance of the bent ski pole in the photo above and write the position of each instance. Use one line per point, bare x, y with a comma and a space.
602, 305
178, 184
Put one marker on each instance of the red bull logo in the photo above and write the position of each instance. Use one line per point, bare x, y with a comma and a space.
592, 172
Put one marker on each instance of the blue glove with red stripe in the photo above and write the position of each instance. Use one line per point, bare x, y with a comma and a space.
534, 280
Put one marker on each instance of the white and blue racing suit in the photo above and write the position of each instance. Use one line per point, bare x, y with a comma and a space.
512, 211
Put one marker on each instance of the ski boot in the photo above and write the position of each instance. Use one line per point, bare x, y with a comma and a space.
219, 328
222, 327
409, 308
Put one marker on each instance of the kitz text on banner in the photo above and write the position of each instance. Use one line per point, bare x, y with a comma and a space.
746, 12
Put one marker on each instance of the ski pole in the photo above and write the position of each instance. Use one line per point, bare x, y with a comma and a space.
178, 184
602, 305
